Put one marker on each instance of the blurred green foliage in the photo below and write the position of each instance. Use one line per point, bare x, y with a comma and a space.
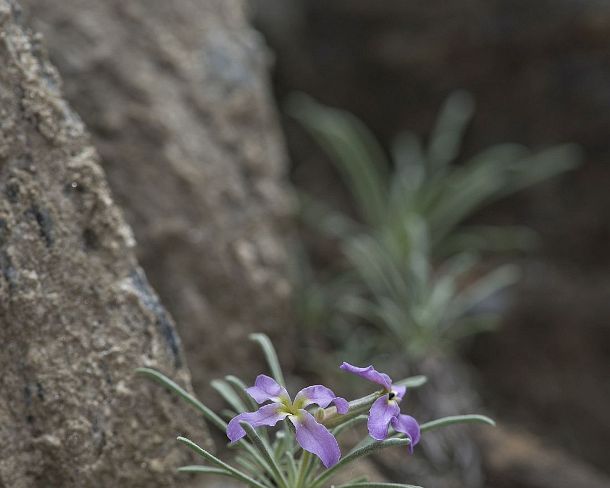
412, 269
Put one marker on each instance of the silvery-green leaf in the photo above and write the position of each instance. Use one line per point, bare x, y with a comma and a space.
270, 355
214, 460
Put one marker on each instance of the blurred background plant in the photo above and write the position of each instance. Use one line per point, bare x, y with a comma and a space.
414, 278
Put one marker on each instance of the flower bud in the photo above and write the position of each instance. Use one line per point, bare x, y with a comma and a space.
320, 414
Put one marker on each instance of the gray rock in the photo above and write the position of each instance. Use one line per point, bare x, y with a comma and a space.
77, 314
177, 99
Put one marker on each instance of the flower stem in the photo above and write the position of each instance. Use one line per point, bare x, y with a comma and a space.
356, 407
303, 469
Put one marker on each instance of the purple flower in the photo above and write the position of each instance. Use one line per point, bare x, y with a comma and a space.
385, 410
311, 435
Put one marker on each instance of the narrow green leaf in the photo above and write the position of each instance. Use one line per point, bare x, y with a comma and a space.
483, 288
206, 470
267, 454
270, 355
349, 423
185, 395
460, 194
489, 239
472, 325
354, 150
542, 166
449, 130
410, 172
313, 469
292, 469
359, 479
240, 387
413, 381
213, 459
456, 419
304, 462
230, 396
250, 467
255, 456
449, 200
325, 219
249, 404
355, 454
280, 444
367, 484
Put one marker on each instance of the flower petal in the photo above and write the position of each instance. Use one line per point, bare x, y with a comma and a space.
380, 415
267, 415
408, 426
316, 438
341, 404
369, 373
321, 396
399, 391
266, 388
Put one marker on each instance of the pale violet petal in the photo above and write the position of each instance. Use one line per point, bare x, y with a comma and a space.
316, 438
321, 396
408, 426
266, 388
399, 391
341, 404
268, 415
380, 416
369, 373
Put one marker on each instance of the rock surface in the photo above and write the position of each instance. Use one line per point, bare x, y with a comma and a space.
176, 97
77, 314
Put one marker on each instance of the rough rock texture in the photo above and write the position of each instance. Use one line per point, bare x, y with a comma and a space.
77, 314
176, 97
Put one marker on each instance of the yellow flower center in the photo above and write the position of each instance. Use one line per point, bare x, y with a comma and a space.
289, 407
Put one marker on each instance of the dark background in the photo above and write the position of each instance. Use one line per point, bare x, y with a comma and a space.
540, 74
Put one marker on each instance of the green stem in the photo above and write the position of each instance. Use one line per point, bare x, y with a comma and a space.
356, 407
266, 453
303, 469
